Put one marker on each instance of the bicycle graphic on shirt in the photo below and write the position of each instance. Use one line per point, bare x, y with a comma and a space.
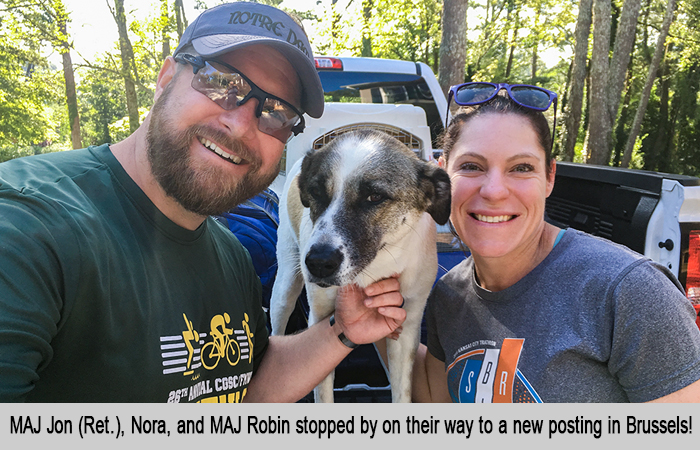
222, 345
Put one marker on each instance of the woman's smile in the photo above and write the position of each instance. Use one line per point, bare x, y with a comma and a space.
492, 219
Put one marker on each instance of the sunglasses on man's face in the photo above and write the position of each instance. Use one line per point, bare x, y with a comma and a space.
531, 97
229, 88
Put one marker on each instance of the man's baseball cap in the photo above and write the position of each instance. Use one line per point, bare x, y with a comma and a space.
229, 26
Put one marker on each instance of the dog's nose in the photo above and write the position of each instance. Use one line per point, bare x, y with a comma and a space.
323, 260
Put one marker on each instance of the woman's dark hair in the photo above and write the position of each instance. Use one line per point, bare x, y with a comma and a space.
500, 104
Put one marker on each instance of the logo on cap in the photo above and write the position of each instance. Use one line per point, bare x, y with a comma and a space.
264, 21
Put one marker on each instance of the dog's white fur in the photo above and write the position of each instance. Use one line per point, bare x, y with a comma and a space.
407, 248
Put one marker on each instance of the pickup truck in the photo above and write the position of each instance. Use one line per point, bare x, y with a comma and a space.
655, 214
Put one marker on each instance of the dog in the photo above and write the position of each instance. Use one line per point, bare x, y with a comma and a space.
360, 209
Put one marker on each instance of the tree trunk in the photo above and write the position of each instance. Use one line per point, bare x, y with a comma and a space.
622, 54
453, 46
180, 18
662, 161
164, 22
620, 130
367, 28
513, 44
619, 64
646, 50
562, 106
68, 75
427, 23
586, 113
71, 101
670, 149
335, 24
533, 65
128, 65
572, 119
599, 129
651, 76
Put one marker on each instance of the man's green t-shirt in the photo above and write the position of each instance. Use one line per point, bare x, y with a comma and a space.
104, 299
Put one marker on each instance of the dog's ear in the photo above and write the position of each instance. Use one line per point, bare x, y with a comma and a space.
303, 178
435, 183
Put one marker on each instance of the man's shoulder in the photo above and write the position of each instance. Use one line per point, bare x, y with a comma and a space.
57, 158
33, 172
55, 189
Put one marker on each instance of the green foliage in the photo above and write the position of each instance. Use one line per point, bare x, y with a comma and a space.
525, 27
13, 151
101, 90
33, 107
399, 29
670, 139
25, 87
120, 129
508, 40
686, 100
637, 161
102, 102
407, 30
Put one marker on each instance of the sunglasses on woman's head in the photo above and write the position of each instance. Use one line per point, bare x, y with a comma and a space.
531, 97
229, 88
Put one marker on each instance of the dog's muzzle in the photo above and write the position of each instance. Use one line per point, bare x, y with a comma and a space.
323, 262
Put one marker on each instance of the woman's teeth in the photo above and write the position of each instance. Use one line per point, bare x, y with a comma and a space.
215, 148
491, 219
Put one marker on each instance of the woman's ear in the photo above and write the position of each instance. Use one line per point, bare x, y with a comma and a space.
442, 163
550, 178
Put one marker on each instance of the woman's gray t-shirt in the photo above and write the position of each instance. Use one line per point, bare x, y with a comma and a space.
594, 322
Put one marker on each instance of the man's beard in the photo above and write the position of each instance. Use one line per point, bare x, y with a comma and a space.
199, 188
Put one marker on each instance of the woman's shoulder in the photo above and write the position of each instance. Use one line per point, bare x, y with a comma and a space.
582, 246
460, 270
456, 279
583, 259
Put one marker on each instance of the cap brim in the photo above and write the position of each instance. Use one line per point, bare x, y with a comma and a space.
312, 95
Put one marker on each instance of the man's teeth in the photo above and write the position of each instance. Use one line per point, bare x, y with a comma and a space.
492, 219
215, 148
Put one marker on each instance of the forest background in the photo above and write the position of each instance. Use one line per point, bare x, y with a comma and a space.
626, 71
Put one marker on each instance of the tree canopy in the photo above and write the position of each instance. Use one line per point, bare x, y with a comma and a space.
621, 101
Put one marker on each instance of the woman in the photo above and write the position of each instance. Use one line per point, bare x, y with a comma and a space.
536, 313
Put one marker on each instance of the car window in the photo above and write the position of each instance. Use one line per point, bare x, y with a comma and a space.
377, 87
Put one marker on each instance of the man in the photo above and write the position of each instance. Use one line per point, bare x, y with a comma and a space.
115, 285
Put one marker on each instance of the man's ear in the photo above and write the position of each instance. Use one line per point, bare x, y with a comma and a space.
165, 76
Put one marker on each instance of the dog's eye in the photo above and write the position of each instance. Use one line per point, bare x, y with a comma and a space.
375, 198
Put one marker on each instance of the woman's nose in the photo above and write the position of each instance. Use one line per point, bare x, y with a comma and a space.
494, 186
